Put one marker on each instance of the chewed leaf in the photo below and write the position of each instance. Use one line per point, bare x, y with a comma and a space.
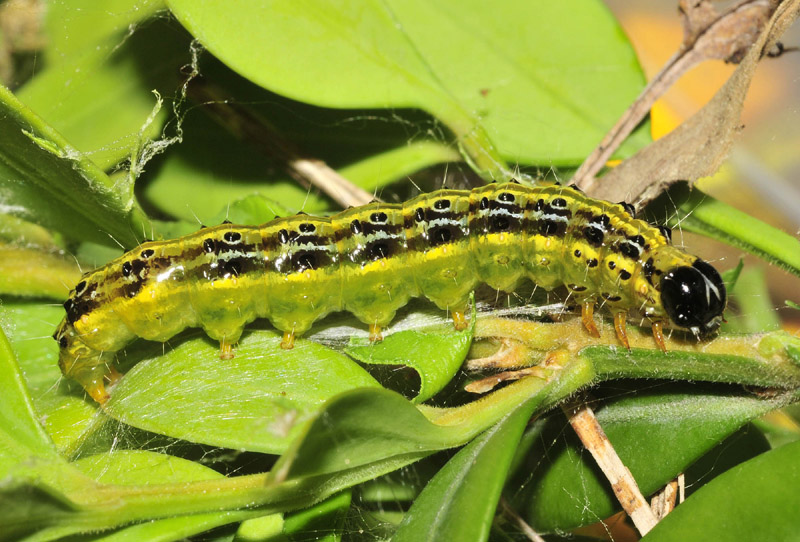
436, 355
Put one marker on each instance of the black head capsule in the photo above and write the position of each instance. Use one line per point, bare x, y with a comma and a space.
694, 297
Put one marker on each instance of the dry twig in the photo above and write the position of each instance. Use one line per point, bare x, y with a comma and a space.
698, 146
664, 502
526, 529
585, 424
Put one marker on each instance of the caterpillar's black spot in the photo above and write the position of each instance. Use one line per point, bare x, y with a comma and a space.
62, 342
203, 226
576, 288
307, 227
127, 268
226, 221
647, 270
355, 227
378, 218
76, 308
283, 237
498, 224
133, 288
576, 188
484, 204
147, 253
80, 287
379, 250
629, 208
632, 247
419, 214
232, 267
624, 274
549, 227
209, 245
602, 220
592, 262
577, 253
612, 298
304, 261
441, 204
506, 197
440, 236
612, 264
593, 235
235, 236
559, 203
666, 232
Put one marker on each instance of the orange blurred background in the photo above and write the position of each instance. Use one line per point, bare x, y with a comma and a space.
762, 174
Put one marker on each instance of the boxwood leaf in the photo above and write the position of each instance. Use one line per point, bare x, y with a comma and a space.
757, 500
512, 81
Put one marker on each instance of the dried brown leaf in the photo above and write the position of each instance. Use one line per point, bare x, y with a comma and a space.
707, 36
698, 146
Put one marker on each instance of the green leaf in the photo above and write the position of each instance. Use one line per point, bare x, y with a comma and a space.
375, 171
113, 80
459, 503
255, 209
141, 467
36, 273
77, 25
323, 521
20, 232
255, 401
260, 529
756, 312
757, 500
490, 73
194, 184
58, 402
45, 180
563, 487
701, 213
370, 149
435, 355
731, 276
21, 434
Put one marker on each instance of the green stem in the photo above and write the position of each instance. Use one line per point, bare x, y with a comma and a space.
613, 363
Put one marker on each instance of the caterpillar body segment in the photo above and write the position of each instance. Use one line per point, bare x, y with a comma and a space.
371, 260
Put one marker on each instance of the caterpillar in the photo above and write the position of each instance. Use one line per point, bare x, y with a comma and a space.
371, 260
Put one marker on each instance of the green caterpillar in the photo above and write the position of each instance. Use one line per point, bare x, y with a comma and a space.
371, 260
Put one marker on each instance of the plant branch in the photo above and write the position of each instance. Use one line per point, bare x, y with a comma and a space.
698, 146
584, 423
707, 36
